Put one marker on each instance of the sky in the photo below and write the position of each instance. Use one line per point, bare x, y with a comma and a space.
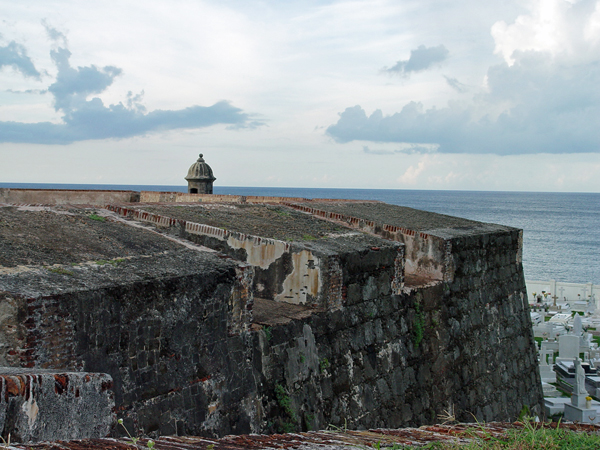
398, 94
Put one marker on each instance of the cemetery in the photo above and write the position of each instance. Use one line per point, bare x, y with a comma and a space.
567, 329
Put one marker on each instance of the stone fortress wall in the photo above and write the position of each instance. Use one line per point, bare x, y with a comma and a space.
227, 314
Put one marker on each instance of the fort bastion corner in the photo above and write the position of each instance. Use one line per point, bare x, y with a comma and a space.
201, 314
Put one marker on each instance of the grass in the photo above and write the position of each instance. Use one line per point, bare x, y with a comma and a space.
112, 262
281, 213
324, 364
531, 436
268, 333
289, 424
59, 270
97, 217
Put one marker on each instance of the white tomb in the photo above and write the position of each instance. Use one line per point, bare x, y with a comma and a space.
561, 318
568, 347
580, 409
547, 374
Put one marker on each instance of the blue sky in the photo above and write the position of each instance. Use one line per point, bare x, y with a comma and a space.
368, 94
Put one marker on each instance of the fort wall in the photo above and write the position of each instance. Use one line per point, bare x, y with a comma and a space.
205, 342
65, 196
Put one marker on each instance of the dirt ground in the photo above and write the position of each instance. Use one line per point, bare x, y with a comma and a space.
67, 235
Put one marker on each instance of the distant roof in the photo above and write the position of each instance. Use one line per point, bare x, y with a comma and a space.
200, 171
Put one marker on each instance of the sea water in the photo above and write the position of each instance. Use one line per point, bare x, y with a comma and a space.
561, 231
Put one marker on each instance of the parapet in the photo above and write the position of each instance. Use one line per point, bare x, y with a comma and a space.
65, 196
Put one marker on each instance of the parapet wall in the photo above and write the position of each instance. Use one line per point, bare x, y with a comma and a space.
298, 273
183, 197
426, 256
65, 196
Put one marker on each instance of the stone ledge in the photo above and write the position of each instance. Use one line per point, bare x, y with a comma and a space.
38, 405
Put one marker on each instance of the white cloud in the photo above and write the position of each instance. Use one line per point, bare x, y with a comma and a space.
569, 30
411, 176
544, 99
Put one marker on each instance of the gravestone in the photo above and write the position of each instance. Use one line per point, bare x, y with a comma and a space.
577, 326
577, 410
547, 374
568, 346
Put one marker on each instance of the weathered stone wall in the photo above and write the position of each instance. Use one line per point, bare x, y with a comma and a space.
489, 326
393, 361
425, 254
175, 346
293, 272
44, 405
65, 196
183, 197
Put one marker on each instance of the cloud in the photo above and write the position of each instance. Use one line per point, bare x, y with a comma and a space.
72, 86
456, 85
15, 56
93, 120
541, 99
85, 119
569, 28
412, 173
54, 35
403, 148
28, 91
367, 150
420, 59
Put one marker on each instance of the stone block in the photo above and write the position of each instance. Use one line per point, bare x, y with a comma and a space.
568, 346
41, 405
581, 415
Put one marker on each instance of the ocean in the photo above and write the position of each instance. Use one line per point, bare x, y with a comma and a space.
561, 231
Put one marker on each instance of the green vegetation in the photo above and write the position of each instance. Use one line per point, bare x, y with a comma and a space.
524, 414
531, 436
282, 213
284, 401
302, 358
309, 237
268, 333
60, 271
94, 216
112, 262
134, 440
324, 364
